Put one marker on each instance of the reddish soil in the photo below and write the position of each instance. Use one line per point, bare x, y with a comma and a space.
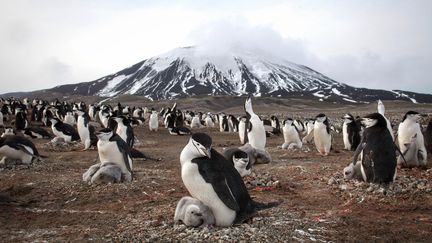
49, 201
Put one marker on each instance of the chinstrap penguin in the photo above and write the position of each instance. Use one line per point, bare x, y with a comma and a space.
212, 179
112, 149
376, 153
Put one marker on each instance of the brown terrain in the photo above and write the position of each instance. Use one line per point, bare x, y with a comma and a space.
49, 201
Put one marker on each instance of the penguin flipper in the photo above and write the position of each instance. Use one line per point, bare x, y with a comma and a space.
213, 175
357, 152
124, 149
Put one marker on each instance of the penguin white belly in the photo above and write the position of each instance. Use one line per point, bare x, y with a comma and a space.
242, 128
209, 122
203, 191
257, 137
195, 123
405, 133
347, 144
121, 131
322, 139
17, 154
153, 123
82, 130
109, 153
291, 137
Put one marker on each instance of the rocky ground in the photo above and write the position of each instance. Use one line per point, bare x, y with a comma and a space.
49, 202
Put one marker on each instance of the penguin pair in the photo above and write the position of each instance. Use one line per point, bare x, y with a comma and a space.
212, 179
114, 155
375, 158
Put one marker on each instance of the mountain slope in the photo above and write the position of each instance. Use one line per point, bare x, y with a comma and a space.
186, 72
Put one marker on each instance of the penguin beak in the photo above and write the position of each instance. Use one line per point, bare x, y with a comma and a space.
208, 153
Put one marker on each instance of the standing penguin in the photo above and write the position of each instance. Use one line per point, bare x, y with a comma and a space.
18, 148
408, 128
376, 153
112, 149
210, 178
322, 134
350, 132
255, 128
63, 130
242, 130
153, 121
85, 130
208, 121
20, 119
125, 130
291, 135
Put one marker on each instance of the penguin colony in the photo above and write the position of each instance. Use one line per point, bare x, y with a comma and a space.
218, 195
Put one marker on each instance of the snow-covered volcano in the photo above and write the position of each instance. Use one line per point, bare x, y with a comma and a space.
190, 71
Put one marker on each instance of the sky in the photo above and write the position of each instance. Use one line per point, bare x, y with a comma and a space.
384, 44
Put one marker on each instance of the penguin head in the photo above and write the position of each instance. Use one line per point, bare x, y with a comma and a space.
321, 118
348, 118
105, 134
412, 116
193, 216
288, 122
381, 108
248, 107
122, 120
79, 112
54, 121
202, 143
374, 119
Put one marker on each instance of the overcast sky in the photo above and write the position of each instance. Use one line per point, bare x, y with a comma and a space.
375, 44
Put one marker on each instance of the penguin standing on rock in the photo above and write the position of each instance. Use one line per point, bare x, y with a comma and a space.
255, 128
18, 148
212, 179
350, 132
112, 149
408, 129
322, 134
85, 130
375, 158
